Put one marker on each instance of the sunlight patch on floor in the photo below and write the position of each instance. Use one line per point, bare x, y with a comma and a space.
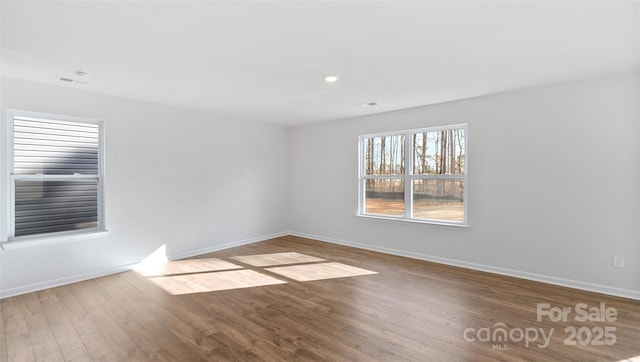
211, 282
202, 275
631, 359
308, 272
261, 260
186, 266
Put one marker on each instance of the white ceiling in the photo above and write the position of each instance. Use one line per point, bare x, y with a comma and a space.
267, 60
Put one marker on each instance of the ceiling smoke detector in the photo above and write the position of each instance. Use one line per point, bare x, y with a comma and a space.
369, 104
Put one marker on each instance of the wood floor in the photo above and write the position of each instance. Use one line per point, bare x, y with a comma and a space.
303, 300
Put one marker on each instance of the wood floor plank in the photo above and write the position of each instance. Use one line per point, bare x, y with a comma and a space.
409, 311
153, 319
19, 347
93, 340
3, 341
42, 338
188, 322
118, 341
67, 338
118, 306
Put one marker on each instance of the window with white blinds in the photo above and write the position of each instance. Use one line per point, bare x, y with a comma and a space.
56, 175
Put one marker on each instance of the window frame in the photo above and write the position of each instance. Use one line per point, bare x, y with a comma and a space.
12, 114
408, 176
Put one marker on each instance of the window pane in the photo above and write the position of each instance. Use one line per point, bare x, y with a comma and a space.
51, 147
384, 155
439, 152
384, 197
438, 200
44, 206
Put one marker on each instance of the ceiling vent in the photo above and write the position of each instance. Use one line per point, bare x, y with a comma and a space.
369, 104
70, 80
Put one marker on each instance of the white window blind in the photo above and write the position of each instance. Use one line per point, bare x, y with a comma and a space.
56, 176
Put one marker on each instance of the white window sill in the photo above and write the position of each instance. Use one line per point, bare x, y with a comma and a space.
412, 221
28, 242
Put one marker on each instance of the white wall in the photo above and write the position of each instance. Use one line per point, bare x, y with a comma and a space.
552, 194
553, 184
186, 180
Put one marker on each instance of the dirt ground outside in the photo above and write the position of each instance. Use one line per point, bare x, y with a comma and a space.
445, 210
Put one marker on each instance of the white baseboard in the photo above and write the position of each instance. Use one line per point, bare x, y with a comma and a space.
625, 293
5, 293
211, 249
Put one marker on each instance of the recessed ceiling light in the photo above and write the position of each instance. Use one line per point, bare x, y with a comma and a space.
369, 104
82, 73
331, 78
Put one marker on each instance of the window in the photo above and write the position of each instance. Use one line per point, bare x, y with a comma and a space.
417, 175
56, 175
